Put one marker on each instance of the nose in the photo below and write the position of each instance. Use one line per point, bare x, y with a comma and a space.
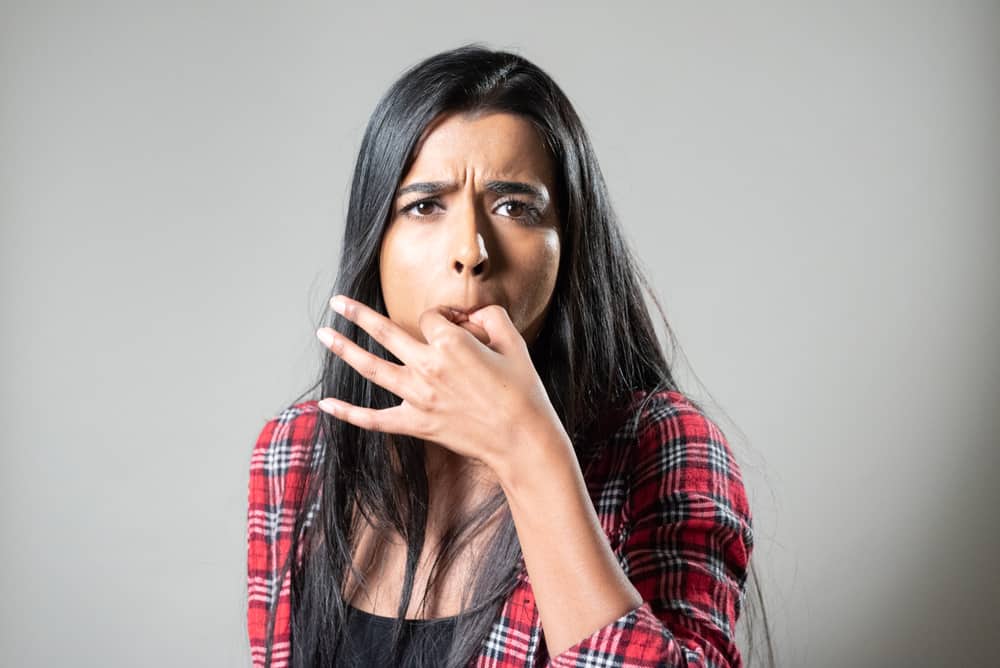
472, 257
469, 256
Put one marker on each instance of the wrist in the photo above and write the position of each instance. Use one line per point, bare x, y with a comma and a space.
533, 460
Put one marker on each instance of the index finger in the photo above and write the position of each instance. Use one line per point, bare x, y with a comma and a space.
393, 338
462, 320
475, 330
438, 319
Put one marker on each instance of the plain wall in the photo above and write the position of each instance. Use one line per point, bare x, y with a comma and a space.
812, 188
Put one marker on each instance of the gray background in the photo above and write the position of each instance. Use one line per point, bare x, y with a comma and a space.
812, 188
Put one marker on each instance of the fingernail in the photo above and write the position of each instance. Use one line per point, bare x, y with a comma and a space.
325, 336
338, 305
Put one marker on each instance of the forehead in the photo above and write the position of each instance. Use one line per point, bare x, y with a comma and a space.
493, 145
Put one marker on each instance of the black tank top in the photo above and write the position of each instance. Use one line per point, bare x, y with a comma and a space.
424, 641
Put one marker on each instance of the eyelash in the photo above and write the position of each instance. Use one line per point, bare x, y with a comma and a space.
531, 218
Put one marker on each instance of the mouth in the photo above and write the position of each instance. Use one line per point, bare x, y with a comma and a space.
465, 310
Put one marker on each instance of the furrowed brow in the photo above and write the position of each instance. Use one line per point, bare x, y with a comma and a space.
498, 187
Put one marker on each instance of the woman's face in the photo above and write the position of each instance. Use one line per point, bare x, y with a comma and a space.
473, 223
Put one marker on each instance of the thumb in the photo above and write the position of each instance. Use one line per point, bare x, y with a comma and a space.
495, 320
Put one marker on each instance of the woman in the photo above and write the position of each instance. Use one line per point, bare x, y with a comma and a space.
500, 469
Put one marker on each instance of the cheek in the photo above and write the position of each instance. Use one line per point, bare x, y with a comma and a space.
400, 274
537, 278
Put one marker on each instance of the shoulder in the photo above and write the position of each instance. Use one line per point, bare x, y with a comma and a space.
670, 420
649, 421
679, 451
286, 446
289, 430
650, 408
670, 417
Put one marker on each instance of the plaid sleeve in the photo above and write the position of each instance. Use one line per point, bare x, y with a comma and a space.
686, 548
277, 477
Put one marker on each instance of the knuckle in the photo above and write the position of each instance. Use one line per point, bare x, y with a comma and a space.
494, 311
430, 367
436, 371
447, 342
380, 332
429, 397
425, 428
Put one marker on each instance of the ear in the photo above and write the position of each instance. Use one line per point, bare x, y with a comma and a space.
504, 337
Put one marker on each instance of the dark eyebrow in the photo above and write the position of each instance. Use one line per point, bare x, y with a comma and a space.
498, 187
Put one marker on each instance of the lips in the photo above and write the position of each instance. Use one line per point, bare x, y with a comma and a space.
466, 310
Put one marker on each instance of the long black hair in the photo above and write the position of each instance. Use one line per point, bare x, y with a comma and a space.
597, 345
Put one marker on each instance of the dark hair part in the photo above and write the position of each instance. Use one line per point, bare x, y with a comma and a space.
597, 345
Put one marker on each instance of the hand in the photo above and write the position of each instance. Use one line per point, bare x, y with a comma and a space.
471, 388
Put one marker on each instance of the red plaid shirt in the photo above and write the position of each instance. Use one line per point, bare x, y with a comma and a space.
671, 500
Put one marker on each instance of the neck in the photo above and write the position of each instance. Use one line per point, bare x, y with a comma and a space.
456, 484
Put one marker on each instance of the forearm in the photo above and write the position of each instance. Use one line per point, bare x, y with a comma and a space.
578, 584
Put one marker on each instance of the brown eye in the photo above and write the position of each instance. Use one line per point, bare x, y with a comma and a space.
412, 209
515, 204
524, 212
